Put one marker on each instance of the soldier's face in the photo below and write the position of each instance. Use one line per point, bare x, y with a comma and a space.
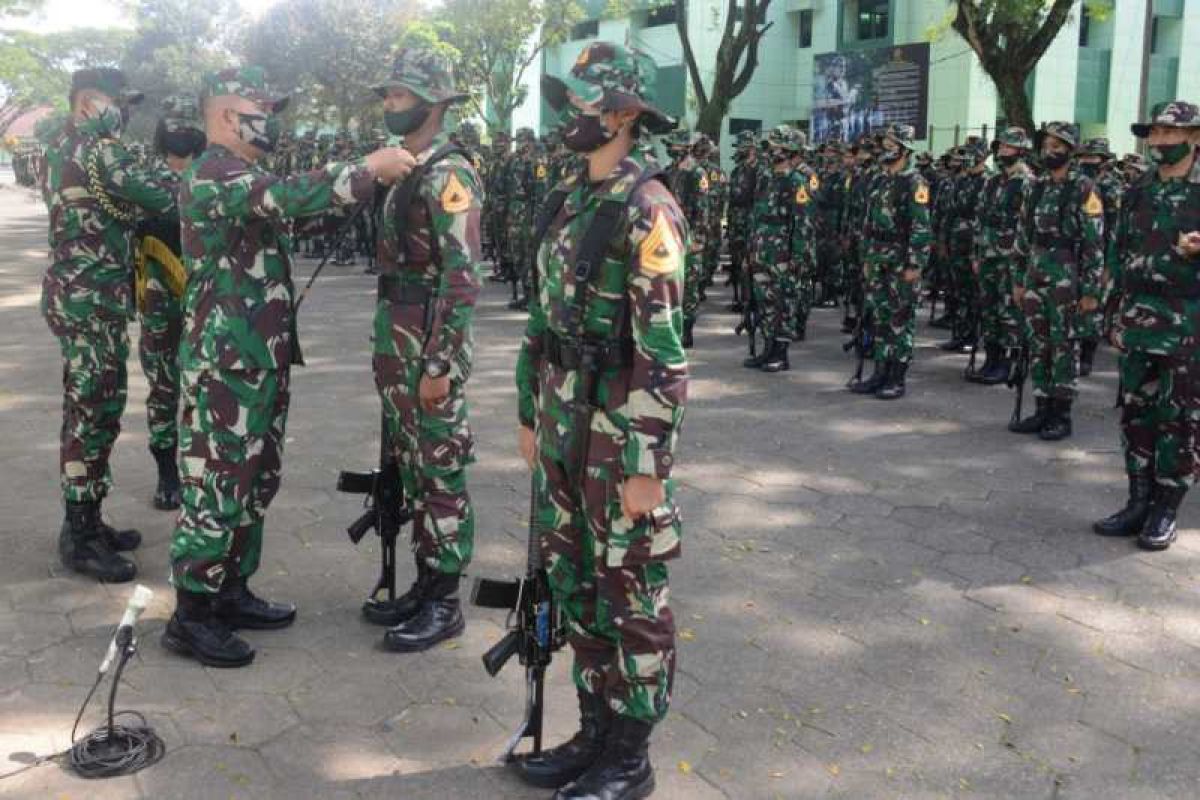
1053, 145
1165, 135
398, 99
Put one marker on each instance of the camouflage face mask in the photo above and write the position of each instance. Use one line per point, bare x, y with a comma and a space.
259, 130
1168, 155
111, 119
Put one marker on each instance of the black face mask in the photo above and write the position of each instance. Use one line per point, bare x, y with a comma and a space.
1006, 161
891, 156
1055, 160
584, 133
184, 143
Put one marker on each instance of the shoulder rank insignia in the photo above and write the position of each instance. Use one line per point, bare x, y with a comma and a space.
814, 183
801, 196
541, 171
715, 176
456, 198
1092, 206
704, 183
922, 195
661, 252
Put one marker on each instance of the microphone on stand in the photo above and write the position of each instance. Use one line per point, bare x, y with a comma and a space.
137, 604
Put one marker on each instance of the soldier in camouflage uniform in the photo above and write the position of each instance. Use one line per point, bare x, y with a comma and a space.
1001, 208
1092, 160
896, 243
93, 191
496, 204
858, 188
743, 181
430, 275
159, 282
239, 340
1059, 279
523, 188
830, 202
692, 190
804, 238
602, 464
1157, 248
962, 214
708, 155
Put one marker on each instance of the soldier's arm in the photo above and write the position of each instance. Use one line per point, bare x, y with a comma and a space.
1091, 245
920, 236
455, 202
268, 196
529, 359
154, 191
659, 375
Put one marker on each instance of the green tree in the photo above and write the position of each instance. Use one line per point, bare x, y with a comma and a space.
1009, 37
735, 63
36, 68
497, 42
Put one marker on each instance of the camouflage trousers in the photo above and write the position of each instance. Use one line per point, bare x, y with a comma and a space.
1160, 422
712, 250
892, 303
999, 316
231, 450
609, 579
518, 241
1048, 317
158, 346
432, 450
806, 292
94, 350
692, 277
737, 233
776, 285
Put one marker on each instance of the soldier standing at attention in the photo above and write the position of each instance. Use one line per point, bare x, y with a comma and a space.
1157, 273
602, 463
1092, 161
1062, 237
239, 340
896, 246
159, 282
430, 276
93, 189
742, 183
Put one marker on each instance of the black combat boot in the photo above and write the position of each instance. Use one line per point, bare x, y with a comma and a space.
560, 765
1160, 530
849, 323
439, 618
84, 547
1034, 422
944, 322
871, 385
167, 494
1058, 422
195, 630
688, 341
1087, 356
623, 771
999, 371
777, 359
801, 331
756, 361
238, 607
390, 614
894, 388
1130, 520
989, 363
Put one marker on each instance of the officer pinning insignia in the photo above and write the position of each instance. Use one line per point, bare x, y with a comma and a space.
660, 252
456, 198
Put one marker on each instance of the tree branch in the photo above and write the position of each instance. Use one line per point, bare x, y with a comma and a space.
689, 57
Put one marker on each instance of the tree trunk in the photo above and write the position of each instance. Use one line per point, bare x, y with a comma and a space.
1014, 102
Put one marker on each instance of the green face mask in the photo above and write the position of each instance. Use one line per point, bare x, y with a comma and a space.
1170, 154
112, 120
402, 123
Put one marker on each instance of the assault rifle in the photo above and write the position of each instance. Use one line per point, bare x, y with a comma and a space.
862, 342
1016, 380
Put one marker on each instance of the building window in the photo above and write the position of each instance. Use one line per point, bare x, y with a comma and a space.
663, 15
737, 125
806, 28
1085, 26
872, 19
585, 30
1154, 36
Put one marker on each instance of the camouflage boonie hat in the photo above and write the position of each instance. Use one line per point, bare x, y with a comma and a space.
468, 133
249, 82
181, 112
1135, 161
616, 77
1096, 147
1067, 132
903, 135
745, 139
526, 135
924, 159
1175, 114
680, 138
784, 137
108, 80
423, 72
1015, 136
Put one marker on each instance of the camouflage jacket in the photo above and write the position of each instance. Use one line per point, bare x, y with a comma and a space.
521, 183
90, 246
1001, 209
964, 212
742, 183
1159, 286
1061, 236
896, 232
692, 190
718, 189
857, 191
437, 246
635, 300
236, 248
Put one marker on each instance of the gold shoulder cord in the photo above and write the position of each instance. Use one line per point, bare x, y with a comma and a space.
97, 189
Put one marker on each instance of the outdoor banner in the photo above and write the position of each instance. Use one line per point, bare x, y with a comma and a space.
860, 91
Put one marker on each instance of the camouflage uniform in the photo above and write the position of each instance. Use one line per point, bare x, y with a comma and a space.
805, 239
962, 210
718, 184
692, 191
524, 177
1158, 331
1060, 237
239, 341
496, 203
1001, 207
608, 572
895, 238
92, 187
1110, 189
743, 181
429, 266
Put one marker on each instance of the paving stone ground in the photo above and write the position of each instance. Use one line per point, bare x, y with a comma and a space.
876, 600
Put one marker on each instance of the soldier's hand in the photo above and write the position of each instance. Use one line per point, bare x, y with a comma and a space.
1189, 244
910, 275
641, 494
433, 391
975, 267
390, 164
527, 444
1088, 304
1019, 294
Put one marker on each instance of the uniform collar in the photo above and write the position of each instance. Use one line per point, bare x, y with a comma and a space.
616, 184
440, 139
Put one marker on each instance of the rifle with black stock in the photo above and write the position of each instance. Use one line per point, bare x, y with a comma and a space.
862, 341
1016, 380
